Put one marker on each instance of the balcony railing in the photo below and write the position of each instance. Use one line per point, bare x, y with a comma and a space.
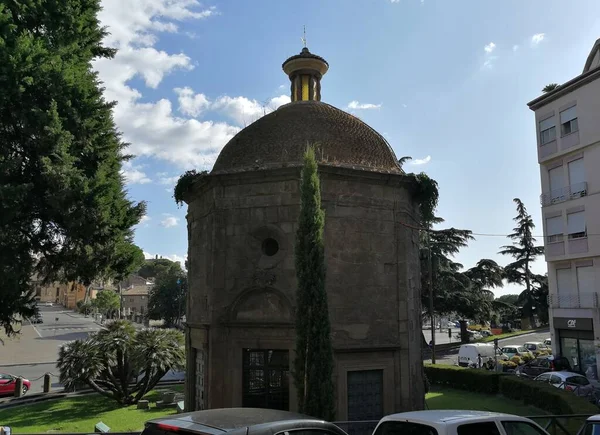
574, 300
563, 194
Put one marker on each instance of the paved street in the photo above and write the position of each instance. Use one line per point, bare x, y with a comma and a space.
451, 356
442, 337
35, 351
40, 342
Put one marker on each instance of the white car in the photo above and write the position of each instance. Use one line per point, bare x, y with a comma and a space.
569, 381
591, 426
459, 422
548, 342
48, 304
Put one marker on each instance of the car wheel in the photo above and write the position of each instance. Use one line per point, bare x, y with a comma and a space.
24, 390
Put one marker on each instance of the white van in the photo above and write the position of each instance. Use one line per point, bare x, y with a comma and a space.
468, 353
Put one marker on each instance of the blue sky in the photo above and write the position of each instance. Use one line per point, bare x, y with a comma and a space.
446, 82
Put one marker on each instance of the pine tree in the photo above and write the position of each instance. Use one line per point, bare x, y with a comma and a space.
313, 367
524, 251
64, 213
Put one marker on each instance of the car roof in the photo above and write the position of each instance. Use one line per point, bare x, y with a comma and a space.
227, 419
564, 375
533, 342
594, 418
444, 416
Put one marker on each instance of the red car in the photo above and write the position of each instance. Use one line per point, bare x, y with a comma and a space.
8, 383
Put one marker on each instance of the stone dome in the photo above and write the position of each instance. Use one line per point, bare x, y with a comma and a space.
280, 138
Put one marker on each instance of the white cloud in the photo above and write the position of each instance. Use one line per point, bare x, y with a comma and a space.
189, 103
245, 111
421, 161
537, 38
490, 47
170, 181
394, 1
152, 128
169, 221
355, 105
515, 47
133, 174
144, 221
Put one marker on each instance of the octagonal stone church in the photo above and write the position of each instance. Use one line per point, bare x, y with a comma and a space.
242, 219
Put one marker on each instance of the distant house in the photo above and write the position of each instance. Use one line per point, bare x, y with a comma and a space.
135, 301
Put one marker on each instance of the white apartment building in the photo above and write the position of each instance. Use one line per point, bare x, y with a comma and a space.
568, 140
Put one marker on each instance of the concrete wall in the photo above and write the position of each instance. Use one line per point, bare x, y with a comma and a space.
242, 298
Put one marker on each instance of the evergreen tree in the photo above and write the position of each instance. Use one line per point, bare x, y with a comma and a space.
64, 213
168, 296
524, 251
313, 367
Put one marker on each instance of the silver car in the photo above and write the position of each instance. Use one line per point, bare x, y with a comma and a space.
569, 381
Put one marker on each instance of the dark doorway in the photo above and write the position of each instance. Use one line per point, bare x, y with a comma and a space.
265, 379
365, 399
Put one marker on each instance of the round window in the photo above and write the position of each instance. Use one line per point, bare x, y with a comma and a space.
270, 247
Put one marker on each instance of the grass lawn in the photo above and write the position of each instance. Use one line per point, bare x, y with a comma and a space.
80, 414
457, 399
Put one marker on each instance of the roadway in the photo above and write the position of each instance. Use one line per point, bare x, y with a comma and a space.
451, 356
35, 351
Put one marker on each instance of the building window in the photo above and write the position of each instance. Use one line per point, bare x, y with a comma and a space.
585, 280
547, 131
556, 176
577, 184
554, 229
563, 281
576, 225
265, 379
568, 121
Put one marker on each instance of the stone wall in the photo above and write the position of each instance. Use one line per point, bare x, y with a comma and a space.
245, 295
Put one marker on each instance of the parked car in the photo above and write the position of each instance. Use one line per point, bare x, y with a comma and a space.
568, 381
48, 304
511, 351
37, 319
548, 342
591, 426
9, 382
543, 364
535, 346
469, 353
240, 421
456, 423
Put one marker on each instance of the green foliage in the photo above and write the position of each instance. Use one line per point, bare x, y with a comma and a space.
427, 195
185, 182
64, 213
524, 252
168, 296
475, 380
84, 307
538, 394
550, 87
154, 267
120, 362
313, 366
107, 302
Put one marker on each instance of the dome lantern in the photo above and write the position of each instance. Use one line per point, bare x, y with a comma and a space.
305, 71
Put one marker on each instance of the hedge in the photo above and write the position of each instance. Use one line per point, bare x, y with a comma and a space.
538, 394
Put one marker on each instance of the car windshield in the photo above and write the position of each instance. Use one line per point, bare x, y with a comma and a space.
404, 428
530, 346
522, 349
578, 380
591, 429
508, 350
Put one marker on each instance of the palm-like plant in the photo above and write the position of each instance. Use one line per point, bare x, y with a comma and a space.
109, 360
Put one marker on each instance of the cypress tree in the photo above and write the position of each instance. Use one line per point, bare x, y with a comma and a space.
313, 367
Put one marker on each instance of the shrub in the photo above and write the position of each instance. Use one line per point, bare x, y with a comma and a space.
541, 395
476, 380
527, 358
517, 360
